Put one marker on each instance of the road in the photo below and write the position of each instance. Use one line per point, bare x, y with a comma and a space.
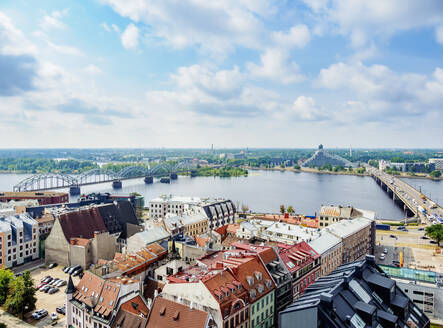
408, 194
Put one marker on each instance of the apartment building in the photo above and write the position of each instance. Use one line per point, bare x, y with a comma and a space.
330, 249
303, 263
217, 292
252, 273
354, 295
96, 302
332, 214
218, 211
19, 240
358, 238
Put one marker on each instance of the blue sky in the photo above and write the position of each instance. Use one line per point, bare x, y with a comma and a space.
233, 73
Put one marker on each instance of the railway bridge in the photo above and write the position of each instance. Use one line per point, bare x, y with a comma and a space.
50, 181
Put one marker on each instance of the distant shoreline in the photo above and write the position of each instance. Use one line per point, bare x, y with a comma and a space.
311, 170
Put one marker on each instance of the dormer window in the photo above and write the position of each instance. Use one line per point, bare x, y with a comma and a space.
258, 275
250, 280
268, 283
252, 293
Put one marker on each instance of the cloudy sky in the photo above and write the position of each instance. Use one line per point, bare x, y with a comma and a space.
233, 73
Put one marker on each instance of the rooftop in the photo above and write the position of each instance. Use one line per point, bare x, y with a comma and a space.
166, 313
358, 294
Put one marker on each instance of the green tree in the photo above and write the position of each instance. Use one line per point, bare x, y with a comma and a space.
435, 232
435, 174
297, 167
15, 302
290, 209
282, 209
30, 291
6, 276
3, 325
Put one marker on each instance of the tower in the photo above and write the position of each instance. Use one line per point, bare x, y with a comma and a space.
350, 151
70, 289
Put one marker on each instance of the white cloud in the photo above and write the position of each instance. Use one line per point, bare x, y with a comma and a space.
380, 93
130, 37
53, 21
115, 28
297, 36
65, 49
439, 34
276, 65
214, 26
363, 21
12, 40
92, 69
305, 109
106, 27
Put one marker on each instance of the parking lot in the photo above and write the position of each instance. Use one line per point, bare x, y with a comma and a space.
418, 253
50, 301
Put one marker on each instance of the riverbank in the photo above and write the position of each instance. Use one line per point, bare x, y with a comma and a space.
307, 170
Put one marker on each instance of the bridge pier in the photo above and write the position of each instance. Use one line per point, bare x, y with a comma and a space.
149, 179
173, 176
165, 180
74, 190
117, 184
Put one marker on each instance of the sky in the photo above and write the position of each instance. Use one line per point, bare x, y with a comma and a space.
232, 73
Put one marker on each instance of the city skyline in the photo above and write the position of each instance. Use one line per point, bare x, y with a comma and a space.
149, 74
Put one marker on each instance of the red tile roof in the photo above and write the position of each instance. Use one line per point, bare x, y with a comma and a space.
169, 314
297, 256
266, 253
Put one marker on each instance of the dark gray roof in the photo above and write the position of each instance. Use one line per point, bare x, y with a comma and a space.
359, 295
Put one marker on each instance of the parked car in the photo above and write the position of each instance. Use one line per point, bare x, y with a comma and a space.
77, 272
52, 265
44, 278
382, 257
66, 269
44, 289
60, 309
53, 282
421, 229
424, 237
53, 290
392, 236
433, 242
61, 283
39, 314
385, 251
54, 316
74, 268
40, 285
48, 280
35, 313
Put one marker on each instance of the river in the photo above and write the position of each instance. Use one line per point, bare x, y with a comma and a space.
265, 191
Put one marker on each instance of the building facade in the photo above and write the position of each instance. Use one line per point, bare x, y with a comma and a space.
19, 240
330, 249
43, 197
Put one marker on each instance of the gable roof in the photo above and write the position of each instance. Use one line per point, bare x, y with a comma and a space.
117, 215
81, 223
166, 313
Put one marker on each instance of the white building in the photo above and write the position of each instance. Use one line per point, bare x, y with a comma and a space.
438, 163
218, 211
19, 240
330, 248
290, 233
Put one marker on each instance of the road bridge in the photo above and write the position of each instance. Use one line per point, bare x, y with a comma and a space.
414, 205
50, 181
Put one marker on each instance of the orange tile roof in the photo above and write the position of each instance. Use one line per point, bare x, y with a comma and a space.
144, 257
232, 228
89, 288
80, 241
108, 298
266, 253
136, 306
166, 313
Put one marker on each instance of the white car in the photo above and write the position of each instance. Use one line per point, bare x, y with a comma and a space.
54, 316
382, 257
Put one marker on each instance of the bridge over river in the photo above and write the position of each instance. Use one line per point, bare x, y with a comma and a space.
414, 203
50, 181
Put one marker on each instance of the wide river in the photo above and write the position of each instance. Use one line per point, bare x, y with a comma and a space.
265, 191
